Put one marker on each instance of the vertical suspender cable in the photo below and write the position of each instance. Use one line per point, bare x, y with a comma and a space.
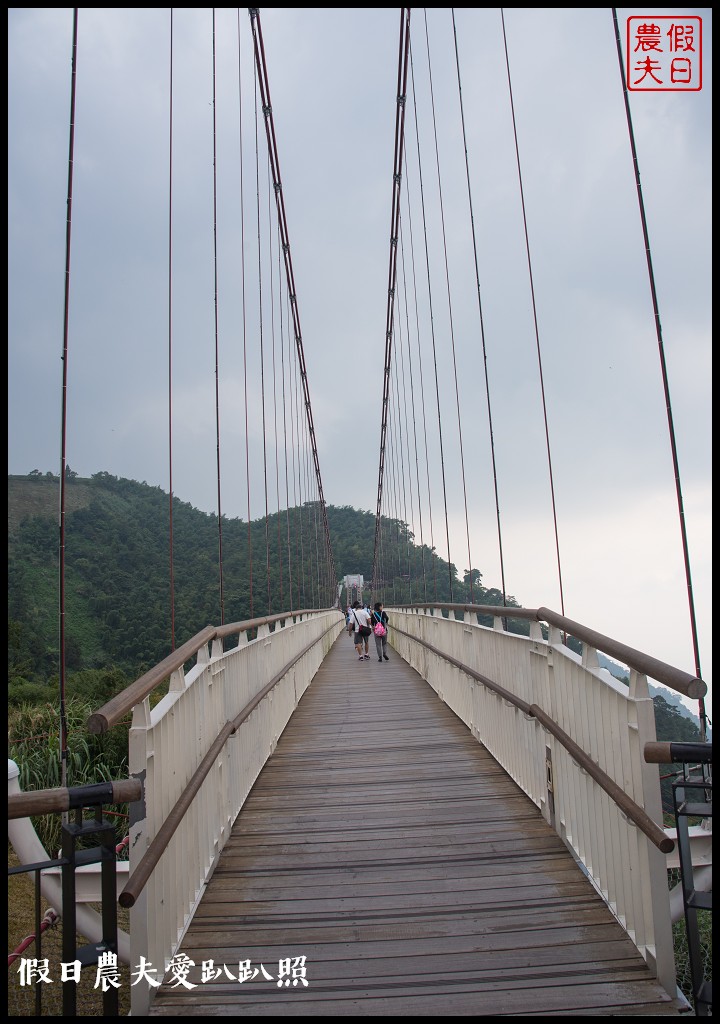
432, 335
534, 307
424, 415
393, 503
404, 50
244, 330
299, 499
399, 468
401, 442
217, 365
170, 364
297, 524
452, 330
275, 388
262, 345
403, 386
666, 386
414, 424
285, 445
482, 326
63, 429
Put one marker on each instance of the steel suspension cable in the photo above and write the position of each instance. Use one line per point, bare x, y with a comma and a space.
412, 398
423, 406
400, 442
405, 392
217, 351
535, 320
282, 219
404, 50
262, 346
63, 426
482, 324
663, 368
275, 390
308, 505
395, 475
452, 329
292, 371
317, 552
401, 446
244, 325
392, 498
432, 333
285, 437
170, 335
301, 559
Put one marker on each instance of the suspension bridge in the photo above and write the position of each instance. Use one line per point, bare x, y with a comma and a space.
472, 825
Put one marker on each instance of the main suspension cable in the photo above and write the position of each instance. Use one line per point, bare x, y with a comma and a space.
63, 429
403, 54
282, 219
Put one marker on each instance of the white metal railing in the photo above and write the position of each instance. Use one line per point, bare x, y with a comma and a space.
608, 721
167, 746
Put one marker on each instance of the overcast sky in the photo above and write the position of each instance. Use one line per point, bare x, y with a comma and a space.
333, 78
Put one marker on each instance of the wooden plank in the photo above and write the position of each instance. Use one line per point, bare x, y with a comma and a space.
385, 849
612, 999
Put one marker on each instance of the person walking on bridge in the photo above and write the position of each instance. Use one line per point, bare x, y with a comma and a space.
380, 629
363, 630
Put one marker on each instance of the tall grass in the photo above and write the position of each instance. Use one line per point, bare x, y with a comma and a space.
34, 745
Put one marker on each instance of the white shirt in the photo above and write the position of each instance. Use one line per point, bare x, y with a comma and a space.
360, 617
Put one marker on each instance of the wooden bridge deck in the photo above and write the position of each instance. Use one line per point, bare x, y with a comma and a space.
384, 845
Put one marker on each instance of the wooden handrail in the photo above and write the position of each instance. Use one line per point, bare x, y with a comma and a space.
115, 710
628, 806
148, 862
50, 801
678, 753
674, 678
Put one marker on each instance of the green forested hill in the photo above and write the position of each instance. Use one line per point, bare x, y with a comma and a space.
117, 589
117, 579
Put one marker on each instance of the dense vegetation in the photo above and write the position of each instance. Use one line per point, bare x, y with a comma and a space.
117, 590
117, 558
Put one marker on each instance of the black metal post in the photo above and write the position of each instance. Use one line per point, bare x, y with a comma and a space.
692, 797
